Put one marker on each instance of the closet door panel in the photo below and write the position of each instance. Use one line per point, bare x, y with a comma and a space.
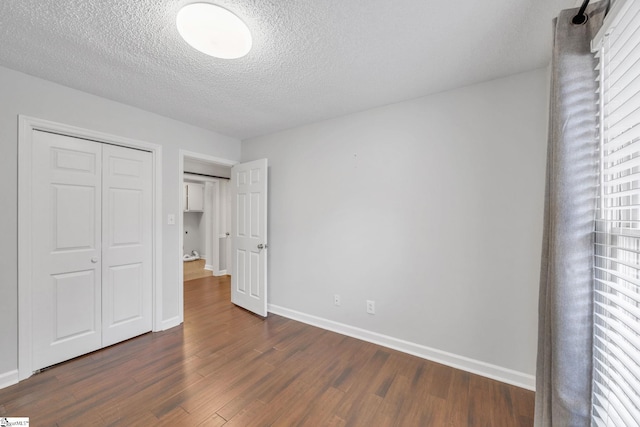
66, 242
126, 246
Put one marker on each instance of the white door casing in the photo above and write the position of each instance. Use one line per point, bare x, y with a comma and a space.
249, 236
92, 246
66, 248
126, 242
212, 224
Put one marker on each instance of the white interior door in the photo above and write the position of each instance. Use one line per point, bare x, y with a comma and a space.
249, 236
66, 301
92, 246
126, 243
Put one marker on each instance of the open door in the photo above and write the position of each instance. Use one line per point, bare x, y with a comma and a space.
249, 236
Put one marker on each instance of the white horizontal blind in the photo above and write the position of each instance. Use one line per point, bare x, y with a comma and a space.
616, 376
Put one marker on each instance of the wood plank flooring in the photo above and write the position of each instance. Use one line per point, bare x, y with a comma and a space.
195, 270
225, 366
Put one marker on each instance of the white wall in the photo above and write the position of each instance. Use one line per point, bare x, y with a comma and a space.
23, 94
195, 166
193, 225
431, 207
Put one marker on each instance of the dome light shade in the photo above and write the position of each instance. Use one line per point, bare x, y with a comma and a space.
214, 30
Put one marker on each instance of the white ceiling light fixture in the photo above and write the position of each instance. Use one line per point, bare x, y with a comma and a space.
214, 30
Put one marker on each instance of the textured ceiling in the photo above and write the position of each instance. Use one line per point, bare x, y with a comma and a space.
311, 59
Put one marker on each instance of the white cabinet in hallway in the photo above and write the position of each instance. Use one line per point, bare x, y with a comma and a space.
193, 197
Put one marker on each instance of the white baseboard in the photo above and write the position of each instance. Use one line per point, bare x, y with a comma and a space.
488, 370
220, 273
9, 378
170, 323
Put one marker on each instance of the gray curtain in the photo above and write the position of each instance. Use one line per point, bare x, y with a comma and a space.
563, 377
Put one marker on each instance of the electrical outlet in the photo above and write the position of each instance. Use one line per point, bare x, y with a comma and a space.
336, 299
371, 307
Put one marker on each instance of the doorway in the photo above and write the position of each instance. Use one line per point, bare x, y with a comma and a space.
204, 225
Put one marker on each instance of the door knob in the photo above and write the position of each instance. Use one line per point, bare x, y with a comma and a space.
261, 246
94, 259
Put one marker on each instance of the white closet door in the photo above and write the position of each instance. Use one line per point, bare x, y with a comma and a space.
92, 246
126, 244
66, 200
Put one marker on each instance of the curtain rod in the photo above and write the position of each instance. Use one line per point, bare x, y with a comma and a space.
581, 17
210, 176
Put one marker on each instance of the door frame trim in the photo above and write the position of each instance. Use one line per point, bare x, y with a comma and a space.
197, 156
26, 126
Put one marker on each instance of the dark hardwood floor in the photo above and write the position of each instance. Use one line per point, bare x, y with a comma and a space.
225, 366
